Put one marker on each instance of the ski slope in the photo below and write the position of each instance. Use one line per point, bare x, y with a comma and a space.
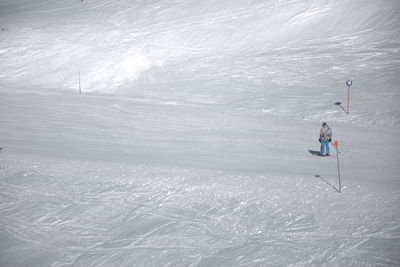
189, 145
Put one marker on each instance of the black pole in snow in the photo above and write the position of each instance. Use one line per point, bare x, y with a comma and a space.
80, 88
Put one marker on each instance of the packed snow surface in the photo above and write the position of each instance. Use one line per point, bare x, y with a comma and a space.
195, 139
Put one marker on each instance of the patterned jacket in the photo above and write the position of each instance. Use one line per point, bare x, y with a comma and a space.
325, 133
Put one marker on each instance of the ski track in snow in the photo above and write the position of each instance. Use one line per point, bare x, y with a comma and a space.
96, 214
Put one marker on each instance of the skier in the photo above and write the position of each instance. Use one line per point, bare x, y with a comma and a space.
325, 137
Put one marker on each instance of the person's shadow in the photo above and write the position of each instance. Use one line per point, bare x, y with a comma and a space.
315, 153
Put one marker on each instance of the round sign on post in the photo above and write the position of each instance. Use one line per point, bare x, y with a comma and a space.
348, 83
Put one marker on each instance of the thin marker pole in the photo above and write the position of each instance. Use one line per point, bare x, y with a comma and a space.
336, 144
348, 83
80, 89
348, 99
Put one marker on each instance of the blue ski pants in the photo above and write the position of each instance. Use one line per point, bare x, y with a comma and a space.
324, 147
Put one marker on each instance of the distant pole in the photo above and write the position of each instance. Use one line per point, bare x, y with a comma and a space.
80, 88
348, 83
336, 144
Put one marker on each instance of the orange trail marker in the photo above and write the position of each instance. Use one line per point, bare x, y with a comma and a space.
336, 144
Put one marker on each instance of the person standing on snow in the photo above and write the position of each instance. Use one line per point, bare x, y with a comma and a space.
325, 137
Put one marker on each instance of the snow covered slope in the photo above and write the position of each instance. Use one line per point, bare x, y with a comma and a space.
110, 181
190, 143
231, 51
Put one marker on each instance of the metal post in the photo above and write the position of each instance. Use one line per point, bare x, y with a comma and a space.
336, 144
80, 89
348, 99
348, 83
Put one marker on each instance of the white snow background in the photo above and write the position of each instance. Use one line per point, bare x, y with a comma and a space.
189, 145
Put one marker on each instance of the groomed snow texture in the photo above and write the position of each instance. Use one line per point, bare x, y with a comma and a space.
194, 140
